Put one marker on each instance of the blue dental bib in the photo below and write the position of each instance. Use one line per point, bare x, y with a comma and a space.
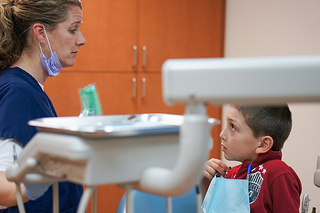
227, 196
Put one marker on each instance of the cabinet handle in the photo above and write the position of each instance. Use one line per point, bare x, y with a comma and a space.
144, 53
135, 55
134, 87
144, 87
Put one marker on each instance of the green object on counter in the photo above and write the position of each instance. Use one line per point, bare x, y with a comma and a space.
90, 101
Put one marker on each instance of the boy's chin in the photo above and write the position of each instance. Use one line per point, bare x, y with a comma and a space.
229, 158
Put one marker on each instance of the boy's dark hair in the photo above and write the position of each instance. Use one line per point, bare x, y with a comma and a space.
273, 121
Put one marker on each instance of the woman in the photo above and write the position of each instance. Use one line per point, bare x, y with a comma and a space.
38, 38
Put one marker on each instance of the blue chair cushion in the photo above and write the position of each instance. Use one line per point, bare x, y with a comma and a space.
149, 203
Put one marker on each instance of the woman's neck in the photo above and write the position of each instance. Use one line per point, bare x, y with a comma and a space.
32, 65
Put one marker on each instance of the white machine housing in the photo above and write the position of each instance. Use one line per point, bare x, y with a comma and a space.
270, 80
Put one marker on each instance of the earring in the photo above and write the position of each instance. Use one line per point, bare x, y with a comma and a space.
43, 43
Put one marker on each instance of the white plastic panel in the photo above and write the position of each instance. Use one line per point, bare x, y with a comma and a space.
271, 80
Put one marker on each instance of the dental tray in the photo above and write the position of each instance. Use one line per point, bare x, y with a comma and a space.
111, 149
111, 125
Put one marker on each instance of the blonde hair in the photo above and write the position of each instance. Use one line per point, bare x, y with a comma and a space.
17, 18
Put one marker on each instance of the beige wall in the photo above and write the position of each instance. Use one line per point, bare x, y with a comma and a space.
276, 28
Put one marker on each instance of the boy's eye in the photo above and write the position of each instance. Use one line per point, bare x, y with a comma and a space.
233, 128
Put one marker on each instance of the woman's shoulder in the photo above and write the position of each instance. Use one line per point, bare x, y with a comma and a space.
14, 74
16, 80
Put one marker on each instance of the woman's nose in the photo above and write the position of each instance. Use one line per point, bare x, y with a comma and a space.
81, 41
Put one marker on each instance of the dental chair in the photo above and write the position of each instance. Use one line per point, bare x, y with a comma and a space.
149, 203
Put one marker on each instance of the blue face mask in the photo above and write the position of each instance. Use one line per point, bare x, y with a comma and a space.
51, 65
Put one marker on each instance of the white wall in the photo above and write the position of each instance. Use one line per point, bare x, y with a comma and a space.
275, 28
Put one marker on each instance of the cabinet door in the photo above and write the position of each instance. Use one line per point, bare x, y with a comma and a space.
115, 92
180, 29
108, 199
110, 29
150, 98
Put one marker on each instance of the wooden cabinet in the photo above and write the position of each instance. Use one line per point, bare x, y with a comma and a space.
165, 29
120, 93
127, 42
110, 29
114, 97
149, 95
179, 29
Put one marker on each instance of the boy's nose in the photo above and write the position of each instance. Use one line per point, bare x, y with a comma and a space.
222, 135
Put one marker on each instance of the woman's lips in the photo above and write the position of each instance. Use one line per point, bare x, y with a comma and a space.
74, 53
223, 148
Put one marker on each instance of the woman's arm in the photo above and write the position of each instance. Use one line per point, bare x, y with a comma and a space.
8, 189
8, 192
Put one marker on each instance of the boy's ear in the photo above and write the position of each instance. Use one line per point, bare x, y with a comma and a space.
266, 143
38, 31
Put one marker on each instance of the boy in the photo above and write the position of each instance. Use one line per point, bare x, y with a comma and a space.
255, 135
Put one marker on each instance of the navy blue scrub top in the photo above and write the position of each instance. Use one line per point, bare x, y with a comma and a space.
22, 99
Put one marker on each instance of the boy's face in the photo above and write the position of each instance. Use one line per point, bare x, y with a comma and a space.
238, 142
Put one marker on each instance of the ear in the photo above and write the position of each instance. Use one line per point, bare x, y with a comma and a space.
38, 31
265, 144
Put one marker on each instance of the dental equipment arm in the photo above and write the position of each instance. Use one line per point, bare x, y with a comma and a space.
32, 191
194, 146
15, 173
218, 81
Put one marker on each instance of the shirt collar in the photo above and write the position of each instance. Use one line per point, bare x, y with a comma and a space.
42, 87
